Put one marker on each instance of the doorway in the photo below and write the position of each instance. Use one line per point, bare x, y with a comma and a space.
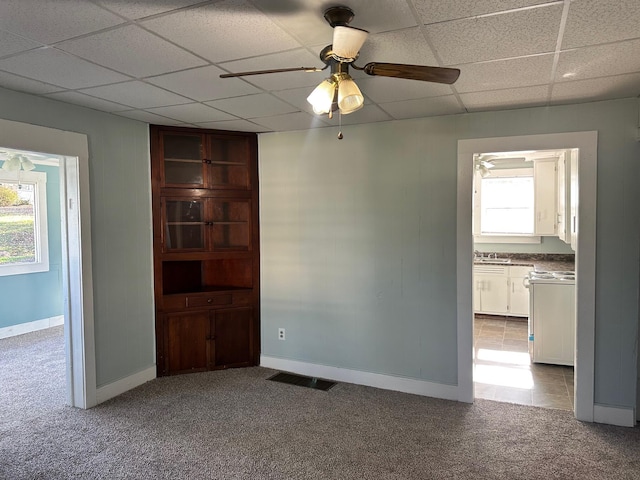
586, 143
521, 223
72, 151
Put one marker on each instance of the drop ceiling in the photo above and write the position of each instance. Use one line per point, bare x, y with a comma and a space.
159, 61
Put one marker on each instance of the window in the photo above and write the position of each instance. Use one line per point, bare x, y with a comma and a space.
504, 209
507, 206
23, 223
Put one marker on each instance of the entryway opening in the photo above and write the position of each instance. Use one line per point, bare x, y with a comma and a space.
30, 145
525, 233
471, 155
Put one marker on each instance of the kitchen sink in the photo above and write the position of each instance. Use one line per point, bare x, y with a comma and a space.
492, 260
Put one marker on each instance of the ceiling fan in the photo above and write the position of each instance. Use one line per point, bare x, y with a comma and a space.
339, 91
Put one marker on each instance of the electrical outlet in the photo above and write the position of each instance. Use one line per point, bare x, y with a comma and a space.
281, 335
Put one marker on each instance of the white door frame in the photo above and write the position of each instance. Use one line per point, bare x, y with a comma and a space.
587, 143
76, 248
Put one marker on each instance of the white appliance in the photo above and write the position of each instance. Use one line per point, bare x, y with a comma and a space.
552, 317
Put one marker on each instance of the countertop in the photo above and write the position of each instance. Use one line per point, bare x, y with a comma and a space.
539, 262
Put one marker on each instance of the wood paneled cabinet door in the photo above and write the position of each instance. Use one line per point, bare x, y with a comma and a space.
205, 224
208, 340
196, 160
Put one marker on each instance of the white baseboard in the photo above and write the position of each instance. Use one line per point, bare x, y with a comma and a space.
388, 382
118, 387
34, 326
624, 417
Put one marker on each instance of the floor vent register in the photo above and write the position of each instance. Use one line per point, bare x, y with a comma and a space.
302, 381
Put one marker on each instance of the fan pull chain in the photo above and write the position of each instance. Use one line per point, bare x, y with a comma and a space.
340, 136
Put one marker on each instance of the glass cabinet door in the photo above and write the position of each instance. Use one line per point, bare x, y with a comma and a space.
183, 159
184, 224
230, 229
228, 166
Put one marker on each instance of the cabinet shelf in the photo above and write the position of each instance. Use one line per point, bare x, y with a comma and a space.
183, 160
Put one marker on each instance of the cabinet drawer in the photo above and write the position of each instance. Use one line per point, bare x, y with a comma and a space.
208, 301
491, 269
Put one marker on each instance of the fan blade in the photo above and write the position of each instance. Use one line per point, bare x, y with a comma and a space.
347, 42
274, 70
413, 72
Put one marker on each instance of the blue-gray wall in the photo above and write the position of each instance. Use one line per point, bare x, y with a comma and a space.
36, 296
358, 241
120, 185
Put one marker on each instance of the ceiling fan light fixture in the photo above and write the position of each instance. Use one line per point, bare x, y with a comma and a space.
322, 96
27, 165
347, 42
350, 98
12, 163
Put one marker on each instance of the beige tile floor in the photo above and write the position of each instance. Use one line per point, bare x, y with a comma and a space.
503, 370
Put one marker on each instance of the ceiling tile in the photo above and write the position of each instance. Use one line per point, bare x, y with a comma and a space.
598, 21
309, 26
291, 121
297, 97
147, 117
192, 113
10, 43
600, 61
52, 21
403, 46
433, 11
425, 107
235, 125
500, 74
385, 16
385, 89
367, 114
500, 99
133, 51
136, 94
14, 82
253, 106
212, 31
280, 81
594, 89
515, 34
53, 66
203, 84
135, 9
88, 101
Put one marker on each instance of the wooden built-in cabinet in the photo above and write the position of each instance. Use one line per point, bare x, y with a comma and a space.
206, 255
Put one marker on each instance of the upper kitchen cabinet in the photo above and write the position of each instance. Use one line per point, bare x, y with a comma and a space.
201, 160
545, 197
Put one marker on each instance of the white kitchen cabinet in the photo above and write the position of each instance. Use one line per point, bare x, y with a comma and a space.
564, 196
573, 195
518, 293
500, 290
545, 198
491, 289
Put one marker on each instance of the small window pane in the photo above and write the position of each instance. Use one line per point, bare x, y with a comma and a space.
17, 223
507, 206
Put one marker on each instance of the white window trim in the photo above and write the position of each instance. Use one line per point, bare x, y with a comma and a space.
41, 231
477, 208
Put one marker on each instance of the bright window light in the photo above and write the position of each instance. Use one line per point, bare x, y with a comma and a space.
507, 206
516, 377
23, 223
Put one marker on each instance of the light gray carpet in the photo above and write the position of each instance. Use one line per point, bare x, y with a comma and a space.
237, 425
